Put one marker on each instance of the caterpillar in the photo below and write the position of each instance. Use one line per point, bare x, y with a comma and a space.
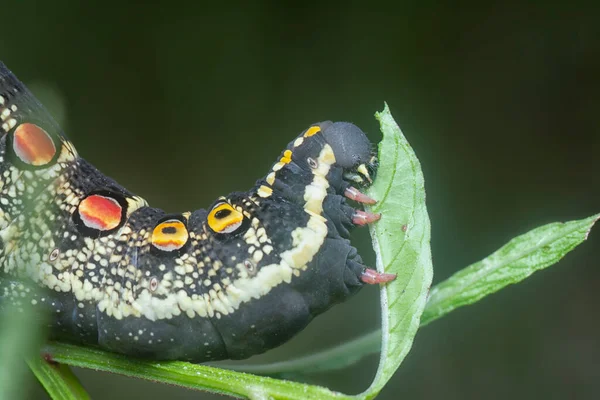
226, 282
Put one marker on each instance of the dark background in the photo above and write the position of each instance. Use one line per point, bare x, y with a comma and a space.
182, 102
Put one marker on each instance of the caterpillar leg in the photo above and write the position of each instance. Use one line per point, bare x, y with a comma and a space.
344, 217
354, 194
372, 277
364, 217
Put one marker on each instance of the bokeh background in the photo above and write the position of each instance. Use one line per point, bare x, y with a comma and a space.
185, 101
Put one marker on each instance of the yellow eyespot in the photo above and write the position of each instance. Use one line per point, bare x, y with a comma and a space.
223, 218
170, 235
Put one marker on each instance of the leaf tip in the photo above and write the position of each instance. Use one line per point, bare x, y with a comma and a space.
380, 114
595, 219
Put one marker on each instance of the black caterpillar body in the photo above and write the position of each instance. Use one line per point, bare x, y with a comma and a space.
231, 281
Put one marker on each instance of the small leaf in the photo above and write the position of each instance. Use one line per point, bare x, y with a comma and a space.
515, 261
401, 242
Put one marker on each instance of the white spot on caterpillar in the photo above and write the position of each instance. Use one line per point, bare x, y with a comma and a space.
5, 114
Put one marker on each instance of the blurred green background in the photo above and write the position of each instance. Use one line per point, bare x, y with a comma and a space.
184, 101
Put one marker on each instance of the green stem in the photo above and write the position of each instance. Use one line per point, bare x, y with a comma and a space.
191, 376
58, 380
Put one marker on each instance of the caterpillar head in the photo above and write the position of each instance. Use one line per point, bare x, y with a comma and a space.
353, 151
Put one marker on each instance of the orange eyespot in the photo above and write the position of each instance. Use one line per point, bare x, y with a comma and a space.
170, 235
99, 212
33, 145
223, 218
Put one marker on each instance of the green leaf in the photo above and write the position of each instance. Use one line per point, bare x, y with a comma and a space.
515, 261
401, 242
58, 380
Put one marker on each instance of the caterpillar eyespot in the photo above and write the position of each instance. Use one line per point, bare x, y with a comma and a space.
169, 235
223, 218
204, 285
33, 145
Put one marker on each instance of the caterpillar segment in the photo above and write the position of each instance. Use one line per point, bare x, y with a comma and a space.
230, 281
